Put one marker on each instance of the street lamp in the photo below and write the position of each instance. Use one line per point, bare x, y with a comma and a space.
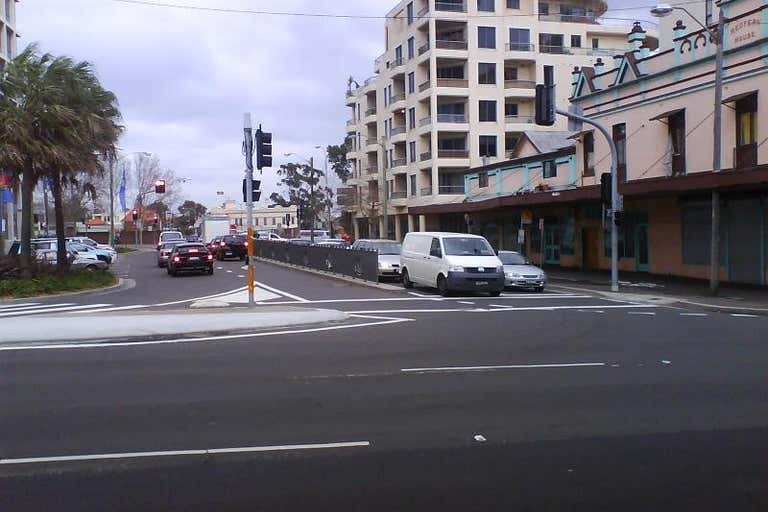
661, 11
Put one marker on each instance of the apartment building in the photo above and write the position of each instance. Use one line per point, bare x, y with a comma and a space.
8, 32
9, 218
455, 89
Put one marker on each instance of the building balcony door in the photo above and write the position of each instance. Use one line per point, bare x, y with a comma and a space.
552, 245
590, 248
642, 263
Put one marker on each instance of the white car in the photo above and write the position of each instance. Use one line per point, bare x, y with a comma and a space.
451, 261
519, 273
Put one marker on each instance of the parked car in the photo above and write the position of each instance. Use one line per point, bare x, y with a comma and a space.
451, 261
231, 246
332, 242
90, 242
101, 254
76, 261
519, 273
167, 236
41, 245
213, 244
299, 241
389, 255
165, 252
190, 257
268, 235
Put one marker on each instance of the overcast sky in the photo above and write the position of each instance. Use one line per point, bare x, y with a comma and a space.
185, 78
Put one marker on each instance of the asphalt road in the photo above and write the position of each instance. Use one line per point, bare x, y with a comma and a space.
559, 401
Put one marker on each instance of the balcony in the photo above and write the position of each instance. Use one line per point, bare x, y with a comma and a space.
451, 189
519, 84
425, 191
569, 18
351, 98
452, 153
452, 82
424, 48
451, 6
396, 101
424, 86
451, 118
396, 130
451, 45
399, 194
370, 112
396, 63
557, 50
351, 124
427, 155
519, 47
425, 121
518, 119
372, 169
398, 162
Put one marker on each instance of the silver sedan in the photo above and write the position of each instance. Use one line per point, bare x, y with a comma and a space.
519, 273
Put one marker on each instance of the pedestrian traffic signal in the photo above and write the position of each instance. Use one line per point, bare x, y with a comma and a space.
263, 149
606, 196
135, 215
545, 99
255, 192
160, 187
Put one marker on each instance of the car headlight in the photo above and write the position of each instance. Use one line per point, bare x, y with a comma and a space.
514, 275
455, 268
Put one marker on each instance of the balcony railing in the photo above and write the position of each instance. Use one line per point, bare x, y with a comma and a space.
518, 119
451, 189
398, 162
559, 50
452, 153
452, 82
568, 18
396, 130
396, 63
370, 112
450, 45
451, 6
424, 48
451, 118
425, 191
396, 97
425, 156
372, 169
520, 47
519, 84
425, 121
424, 86
399, 194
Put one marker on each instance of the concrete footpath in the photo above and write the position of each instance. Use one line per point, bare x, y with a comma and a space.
149, 325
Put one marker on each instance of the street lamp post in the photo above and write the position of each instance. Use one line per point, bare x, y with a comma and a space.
661, 11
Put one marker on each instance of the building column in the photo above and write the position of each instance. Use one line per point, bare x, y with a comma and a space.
422, 222
398, 228
356, 227
411, 223
382, 220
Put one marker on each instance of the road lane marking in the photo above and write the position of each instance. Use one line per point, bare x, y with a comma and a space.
42, 306
55, 310
240, 276
552, 308
21, 305
693, 314
229, 271
649, 313
194, 299
177, 453
103, 310
437, 299
743, 315
415, 294
280, 292
224, 337
600, 311
467, 302
498, 367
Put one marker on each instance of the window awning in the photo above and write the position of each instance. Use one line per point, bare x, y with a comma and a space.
737, 97
665, 115
579, 134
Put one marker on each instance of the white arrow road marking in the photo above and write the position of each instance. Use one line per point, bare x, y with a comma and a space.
280, 292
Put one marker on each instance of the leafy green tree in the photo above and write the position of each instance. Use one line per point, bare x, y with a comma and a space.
337, 157
301, 188
189, 213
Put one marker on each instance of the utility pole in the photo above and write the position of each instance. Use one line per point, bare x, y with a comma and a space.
714, 253
111, 201
248, 147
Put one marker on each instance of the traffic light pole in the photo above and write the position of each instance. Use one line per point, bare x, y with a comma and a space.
248, 147
615, 207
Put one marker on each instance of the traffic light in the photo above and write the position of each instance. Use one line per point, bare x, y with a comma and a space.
618, 217
263, 149
606, 197
255, 192
545, 99
160, 187
135, 215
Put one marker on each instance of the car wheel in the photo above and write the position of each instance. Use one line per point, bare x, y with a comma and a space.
539, 289
407, 283
442, 286
495, 294
91, 268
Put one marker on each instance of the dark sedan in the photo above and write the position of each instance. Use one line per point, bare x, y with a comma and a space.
231, 246
190, 258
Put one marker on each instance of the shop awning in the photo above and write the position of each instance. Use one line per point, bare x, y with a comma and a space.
737, 97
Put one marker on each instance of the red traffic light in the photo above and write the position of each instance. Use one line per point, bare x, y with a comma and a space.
160, 187
156, 219
135, 214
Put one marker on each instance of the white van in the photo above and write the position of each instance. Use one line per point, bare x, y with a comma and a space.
451, 261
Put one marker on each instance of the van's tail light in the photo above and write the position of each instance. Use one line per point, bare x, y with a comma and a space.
210, 257
176, 259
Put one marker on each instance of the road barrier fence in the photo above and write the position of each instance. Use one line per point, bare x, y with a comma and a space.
357, 263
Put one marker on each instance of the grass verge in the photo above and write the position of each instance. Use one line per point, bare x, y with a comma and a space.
50, 284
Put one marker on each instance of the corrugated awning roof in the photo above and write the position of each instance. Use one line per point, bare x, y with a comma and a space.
666, 114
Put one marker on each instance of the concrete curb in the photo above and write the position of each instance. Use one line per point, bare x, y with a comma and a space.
380, 286
120, 282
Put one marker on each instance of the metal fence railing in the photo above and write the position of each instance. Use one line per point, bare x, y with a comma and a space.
357, 263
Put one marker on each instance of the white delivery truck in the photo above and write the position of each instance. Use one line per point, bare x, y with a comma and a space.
213, 226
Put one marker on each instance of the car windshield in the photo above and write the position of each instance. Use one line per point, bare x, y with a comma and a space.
469, 246
234, 239
386, 247
512, 258
171, 236
169, 245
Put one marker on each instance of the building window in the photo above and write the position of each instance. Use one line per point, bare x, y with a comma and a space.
550, 168
409, 12
487, 145
708, 17
513, 4
412, 178
274, 221
487, 110
589, 154
543, 8
595, 43
486, 37
575, 41
520, 39
399, 55
745, 154
620, 139
411, 82
511, 110
486, 5
551, 43
482, 179
411, 47
486, 73
411, 118
412, 148
677, 141
454, 72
